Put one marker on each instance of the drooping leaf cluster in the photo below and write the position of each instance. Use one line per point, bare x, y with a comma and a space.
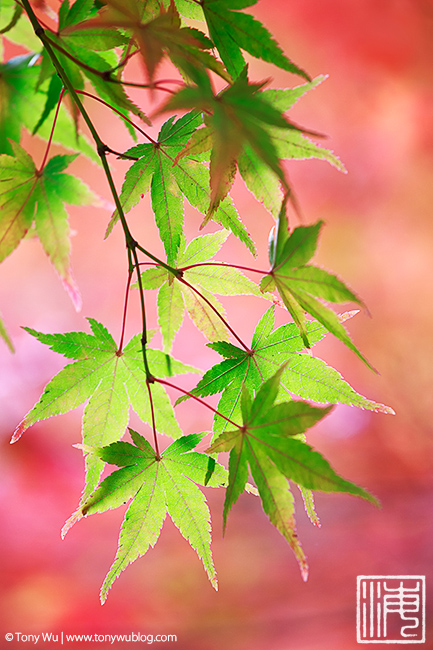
221, 121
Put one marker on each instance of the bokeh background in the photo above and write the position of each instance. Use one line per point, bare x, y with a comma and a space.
377, 107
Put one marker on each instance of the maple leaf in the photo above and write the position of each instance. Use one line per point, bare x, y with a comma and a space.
236, 117
177, 294
188, 8
24, 103
169, 184
157, 486
232, 30
9, 18
268, 443
109, 381
158, 31
85, 49
303, 286
289, 144
15, 76
29, 195
303, 375
18, 31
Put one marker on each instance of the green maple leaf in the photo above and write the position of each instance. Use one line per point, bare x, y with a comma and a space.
24, 103
157, 486
158, 31
237, 117
10, 13
188, 8
29, 195
303, 375
110, 382
15, 77
233, 31
87, 50
303, 286
185, 46
175, 295
289, 144
18, 31
169, 183
268, 443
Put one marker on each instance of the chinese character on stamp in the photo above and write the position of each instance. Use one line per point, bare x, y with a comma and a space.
390, 609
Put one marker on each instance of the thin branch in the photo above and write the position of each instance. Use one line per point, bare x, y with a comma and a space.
123, 156
176, 272
52, 130
104, 74
152, 411
102, 151
125, 309
198, 399
169, 81
215, 310
227, 264
125, 59
149, 376
101, 101
133, 84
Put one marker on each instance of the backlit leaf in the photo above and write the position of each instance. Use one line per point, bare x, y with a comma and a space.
195, 290
30, 195
301, 285
232, 31
155, 169
268, 442
237, 116
157, 487
109, 382
302, 375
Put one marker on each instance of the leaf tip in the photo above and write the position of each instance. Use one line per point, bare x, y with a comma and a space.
374, 500
304, 572
103, 596
74, 293
382, 408
224, 523
18, 432
86, 449
76, 516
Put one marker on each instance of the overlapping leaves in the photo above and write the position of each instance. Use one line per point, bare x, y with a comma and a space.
195, 290
157, 31
235, 117
15, 26
157, 486
84, 51
170, 183
243, 127
268, 443
110, 381
290, 144
303, 375
25, 103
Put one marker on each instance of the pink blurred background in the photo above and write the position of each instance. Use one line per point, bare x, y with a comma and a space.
377, 107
